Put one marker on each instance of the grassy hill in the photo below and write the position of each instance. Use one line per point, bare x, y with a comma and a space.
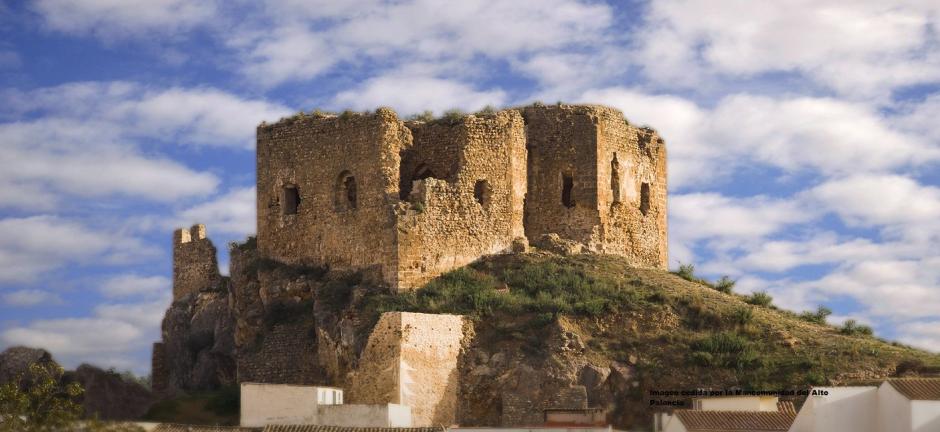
677, 332
667, 331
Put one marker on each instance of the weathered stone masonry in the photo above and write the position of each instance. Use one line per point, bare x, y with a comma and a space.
407, 201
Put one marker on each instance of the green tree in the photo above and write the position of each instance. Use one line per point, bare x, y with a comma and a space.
38, 401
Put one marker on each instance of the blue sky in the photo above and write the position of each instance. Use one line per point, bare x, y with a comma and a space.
803, 136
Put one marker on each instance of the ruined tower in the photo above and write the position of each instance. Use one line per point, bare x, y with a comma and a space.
596, 179
195, 266
407, 201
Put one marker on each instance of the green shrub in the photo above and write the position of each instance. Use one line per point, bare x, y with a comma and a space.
687, 272
852, 328
347, 114
729, 350
486, 111
453, 116
742, 315
725, 284
702, 358
425, 116
760, 298
818, 317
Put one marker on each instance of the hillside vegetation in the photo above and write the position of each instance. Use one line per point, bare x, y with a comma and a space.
680, 332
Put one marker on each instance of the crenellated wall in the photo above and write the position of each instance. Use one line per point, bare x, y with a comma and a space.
195, 266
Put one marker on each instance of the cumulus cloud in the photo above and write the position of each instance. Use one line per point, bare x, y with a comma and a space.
923, 334
30, 297
825, 136
116, 335
112, 18
30, 246
408, 95
312, 37
860, 48
129, 285
231, 213
89, 140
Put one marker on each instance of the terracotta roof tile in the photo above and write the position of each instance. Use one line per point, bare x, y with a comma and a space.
786, 406
917, 388
171, 427
726, 421
318, 428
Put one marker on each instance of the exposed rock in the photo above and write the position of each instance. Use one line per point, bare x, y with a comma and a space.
592, 377
554, 243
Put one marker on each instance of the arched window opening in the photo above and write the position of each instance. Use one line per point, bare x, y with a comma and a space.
482, 192
615, 179
644, 198
346, 191
290, 199
567, 184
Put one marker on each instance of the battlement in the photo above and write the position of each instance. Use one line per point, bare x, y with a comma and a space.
407, 201
184, 235
195, 266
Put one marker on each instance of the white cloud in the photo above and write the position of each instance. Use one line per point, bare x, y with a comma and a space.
89, 140
232, 213
113, 337
923, 334
310, 37
34, 245
699, 216
409, 95
899, 205
194, 116
828, 136
859, 48
119, 18
30, 297
886, 286
128, 285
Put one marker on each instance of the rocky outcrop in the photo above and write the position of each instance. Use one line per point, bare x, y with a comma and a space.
198, 344
107, 395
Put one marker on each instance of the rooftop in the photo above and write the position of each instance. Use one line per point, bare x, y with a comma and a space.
726, 421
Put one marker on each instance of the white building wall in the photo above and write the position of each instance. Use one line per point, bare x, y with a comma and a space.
925, 416
737, 403
361, 415
264, 404
843, 409
894, 410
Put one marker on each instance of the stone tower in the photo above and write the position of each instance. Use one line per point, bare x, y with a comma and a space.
195, 266
407, 201
596, 179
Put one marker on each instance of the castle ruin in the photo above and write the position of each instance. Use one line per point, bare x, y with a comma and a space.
407, 201
399, 203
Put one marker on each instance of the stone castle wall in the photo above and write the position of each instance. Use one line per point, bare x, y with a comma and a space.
410, 201
325, 186
632, 222
411, 359
474, 208
195, 266
562, 171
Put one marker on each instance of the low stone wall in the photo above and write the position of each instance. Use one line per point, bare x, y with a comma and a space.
285, 354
